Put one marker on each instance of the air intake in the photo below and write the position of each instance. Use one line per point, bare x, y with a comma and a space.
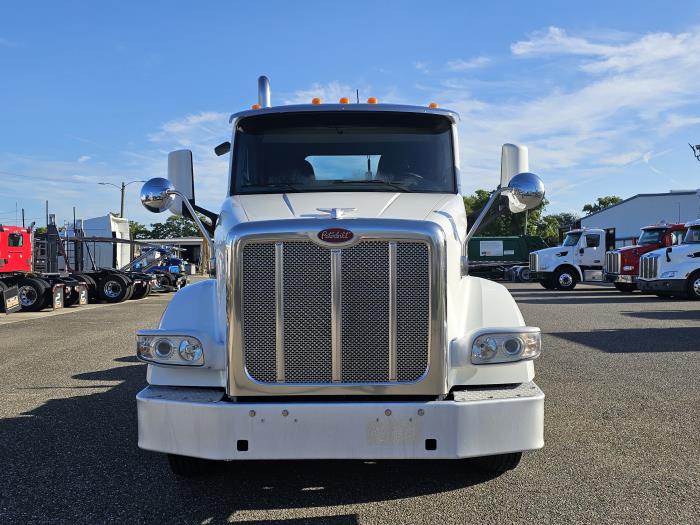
264, 91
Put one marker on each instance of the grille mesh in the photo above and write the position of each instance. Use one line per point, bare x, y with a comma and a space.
365, 318
648, 267
612, 262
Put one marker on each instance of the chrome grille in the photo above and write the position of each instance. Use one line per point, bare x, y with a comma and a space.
533, 262
381, 332
612, 262
648, 267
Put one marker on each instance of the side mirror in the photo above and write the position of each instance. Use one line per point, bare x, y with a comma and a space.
514, 160
181, 175
156, 196
525, 191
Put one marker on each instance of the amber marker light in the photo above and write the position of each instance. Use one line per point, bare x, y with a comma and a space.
344, 100
255, 106
433, 105
315, 100
372, 100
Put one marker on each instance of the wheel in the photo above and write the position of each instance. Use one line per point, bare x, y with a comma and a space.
565, 279
498, 464
113, 288
140, 291
166, 281
693, 286
547, 284
33, 294
625, 287
73, 298
187, 467
524, 274
90, 283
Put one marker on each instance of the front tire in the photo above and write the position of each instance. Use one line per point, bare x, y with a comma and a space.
565, 279
547, 284
498, 464
693, 286
187, 467
625, 287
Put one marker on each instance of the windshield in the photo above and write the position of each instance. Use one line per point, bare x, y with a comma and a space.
692, 236
336, 151
571, 239
652, 236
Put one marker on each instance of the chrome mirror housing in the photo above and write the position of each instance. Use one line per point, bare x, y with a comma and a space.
525, 191
157, 195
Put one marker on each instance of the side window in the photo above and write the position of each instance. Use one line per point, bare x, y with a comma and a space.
14, 240
592, 241
677, 237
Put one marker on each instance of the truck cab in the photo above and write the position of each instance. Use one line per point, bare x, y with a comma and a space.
622, 264
580, 258
673, 270
342, 322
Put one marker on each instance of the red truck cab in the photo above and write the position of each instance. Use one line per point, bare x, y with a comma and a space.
622, 264
15, 249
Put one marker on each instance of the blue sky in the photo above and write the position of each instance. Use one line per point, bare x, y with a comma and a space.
605, 94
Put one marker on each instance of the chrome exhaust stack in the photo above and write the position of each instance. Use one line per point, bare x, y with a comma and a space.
264, 92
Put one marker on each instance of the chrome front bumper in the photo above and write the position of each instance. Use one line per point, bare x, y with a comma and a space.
201, 423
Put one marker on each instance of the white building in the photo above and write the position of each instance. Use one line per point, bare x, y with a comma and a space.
627, 217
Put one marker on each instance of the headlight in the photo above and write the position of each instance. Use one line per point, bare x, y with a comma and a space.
506, 347
668, 275
170, 350
543, 266
627, 268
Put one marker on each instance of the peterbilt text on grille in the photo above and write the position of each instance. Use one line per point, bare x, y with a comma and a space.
342, 321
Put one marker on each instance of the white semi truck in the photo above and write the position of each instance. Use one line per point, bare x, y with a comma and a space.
342, 322
580, 258
674, 270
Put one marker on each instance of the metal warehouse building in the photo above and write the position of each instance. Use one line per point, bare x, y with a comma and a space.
644, 209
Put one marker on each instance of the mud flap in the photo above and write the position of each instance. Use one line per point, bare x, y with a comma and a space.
10, 300
82, 293
57, 296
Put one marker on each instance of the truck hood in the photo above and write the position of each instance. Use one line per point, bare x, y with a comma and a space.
555, 250
366, 204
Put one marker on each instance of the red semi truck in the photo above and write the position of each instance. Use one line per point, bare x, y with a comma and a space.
622, 264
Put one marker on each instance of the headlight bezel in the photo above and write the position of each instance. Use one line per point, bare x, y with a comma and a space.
528, 340
668, 274
147, 344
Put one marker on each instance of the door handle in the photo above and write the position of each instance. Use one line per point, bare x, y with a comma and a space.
580, 251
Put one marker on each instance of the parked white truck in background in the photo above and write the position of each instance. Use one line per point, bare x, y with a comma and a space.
342, 322
675, 270
580, 258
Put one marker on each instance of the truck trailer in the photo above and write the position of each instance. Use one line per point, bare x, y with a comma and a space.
342, 322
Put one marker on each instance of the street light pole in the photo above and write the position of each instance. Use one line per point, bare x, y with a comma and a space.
121, 188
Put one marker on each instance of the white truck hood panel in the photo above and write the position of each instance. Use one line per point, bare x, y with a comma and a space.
368, 205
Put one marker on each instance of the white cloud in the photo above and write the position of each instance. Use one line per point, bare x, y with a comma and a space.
84, 158
466, 65
330, 92
422, 67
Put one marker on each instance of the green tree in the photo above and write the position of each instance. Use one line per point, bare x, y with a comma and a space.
174, 226
505, 223
566, 218
602, 203
138, 230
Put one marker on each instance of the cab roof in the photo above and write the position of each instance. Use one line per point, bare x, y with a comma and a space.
312, 108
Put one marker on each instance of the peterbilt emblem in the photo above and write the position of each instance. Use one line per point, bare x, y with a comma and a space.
335, 235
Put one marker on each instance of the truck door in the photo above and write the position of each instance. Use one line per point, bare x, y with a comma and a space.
17, 252
591, 250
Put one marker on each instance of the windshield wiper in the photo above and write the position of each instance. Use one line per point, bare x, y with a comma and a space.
374, 181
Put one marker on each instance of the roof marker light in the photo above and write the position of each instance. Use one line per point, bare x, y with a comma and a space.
255, 106
315, 100
433, 105
344, 100
372, 100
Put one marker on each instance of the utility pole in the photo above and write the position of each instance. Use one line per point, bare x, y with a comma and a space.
122, 189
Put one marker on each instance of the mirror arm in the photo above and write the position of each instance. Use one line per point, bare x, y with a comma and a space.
213, 217
203, 229
464, 262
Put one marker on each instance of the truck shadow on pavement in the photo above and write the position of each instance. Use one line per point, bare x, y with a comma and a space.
602, 296
76, 460
636, 340
667, 315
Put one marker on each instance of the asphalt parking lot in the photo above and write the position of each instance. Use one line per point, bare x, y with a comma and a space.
621, 375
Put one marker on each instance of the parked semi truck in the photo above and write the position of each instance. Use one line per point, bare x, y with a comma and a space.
580, 258
343, 321
622, 264
674, 270
22, 287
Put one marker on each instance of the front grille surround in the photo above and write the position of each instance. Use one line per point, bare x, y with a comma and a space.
534, 260
649, 267
612, 262
411, 240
